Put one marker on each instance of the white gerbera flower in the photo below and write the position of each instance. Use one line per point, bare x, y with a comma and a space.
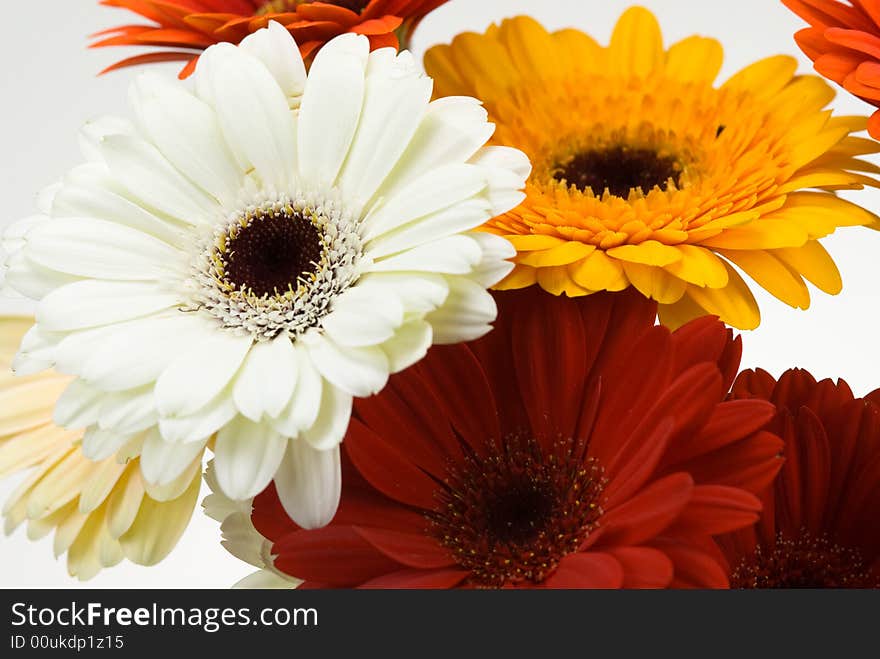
244, 258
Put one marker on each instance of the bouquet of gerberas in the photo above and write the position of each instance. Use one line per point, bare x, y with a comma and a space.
284, 261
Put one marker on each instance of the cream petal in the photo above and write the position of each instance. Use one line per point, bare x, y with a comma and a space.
494, 266
253, 113
102, 250
147, 174
196, 377
455, 255
267, 379
201, 425
418, 292
395, 100
128, 412
28, 278
278, 52
92, 303
162, 461
332, 421
360, 317
452, 130
246, 457
409, 344
331, 108
186, 131
302, 410
440, 188
94, 131
99, 444
507, 170
309, 484
79, 406
467, 314
357, 371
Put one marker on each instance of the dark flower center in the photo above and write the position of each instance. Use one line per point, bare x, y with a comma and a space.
805, 562
620, 169
271, 251
511, 515
280, 6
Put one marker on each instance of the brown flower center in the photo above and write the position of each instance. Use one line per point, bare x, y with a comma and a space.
805, 562
271, 251
281, 6
619, 169
511, 515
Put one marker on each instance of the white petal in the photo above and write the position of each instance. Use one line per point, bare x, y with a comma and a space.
196, 377
466, 315
93, 133
361, 317
452, 131
494, 266
246, 457
98, 444
332, 421
275, 48
36, 353
201, 425
418, 292
309, 484
408, 345
507, 170
267, 378
92, 303
114, 366
146, 173
266, 580
186, 131
90, 192
253, 112
464, 216
128, 412
75, 348
395, 101
455, 255
358, 371
28, 278
162, 462
78, 406
302, 410
100, 249
46, 198
438, 189
331, 107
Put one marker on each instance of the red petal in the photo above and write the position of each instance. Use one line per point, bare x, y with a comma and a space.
644, 567
412, 550
418, 579
591, 570
649, 512
716, 509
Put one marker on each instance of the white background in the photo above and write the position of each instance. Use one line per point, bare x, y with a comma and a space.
48, 89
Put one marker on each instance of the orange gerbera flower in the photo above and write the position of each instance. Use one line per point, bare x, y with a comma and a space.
187, 27
843, 41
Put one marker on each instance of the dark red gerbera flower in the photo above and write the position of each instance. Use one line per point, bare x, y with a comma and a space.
821, 522
184, 28
576, 446
843, 41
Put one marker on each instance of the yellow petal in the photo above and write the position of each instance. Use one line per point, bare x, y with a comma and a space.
448, 80
695, 59
125, 501
28, 405
531, 49
773, 275
649, 252
579, 51
636, 44
557, 281
655, 283
826, 207
520, 277
760, 234
533, 242
560, 255
60, 485
699, 266
679, 313
734, 304
599, 272
31, 447
158, 526
815, 264
765, 77
103, 478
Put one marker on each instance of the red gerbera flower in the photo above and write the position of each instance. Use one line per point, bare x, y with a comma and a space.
821, 522
843, 41
188, 27
577, 446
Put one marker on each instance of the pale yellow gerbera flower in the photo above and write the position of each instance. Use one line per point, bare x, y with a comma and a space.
101, 510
